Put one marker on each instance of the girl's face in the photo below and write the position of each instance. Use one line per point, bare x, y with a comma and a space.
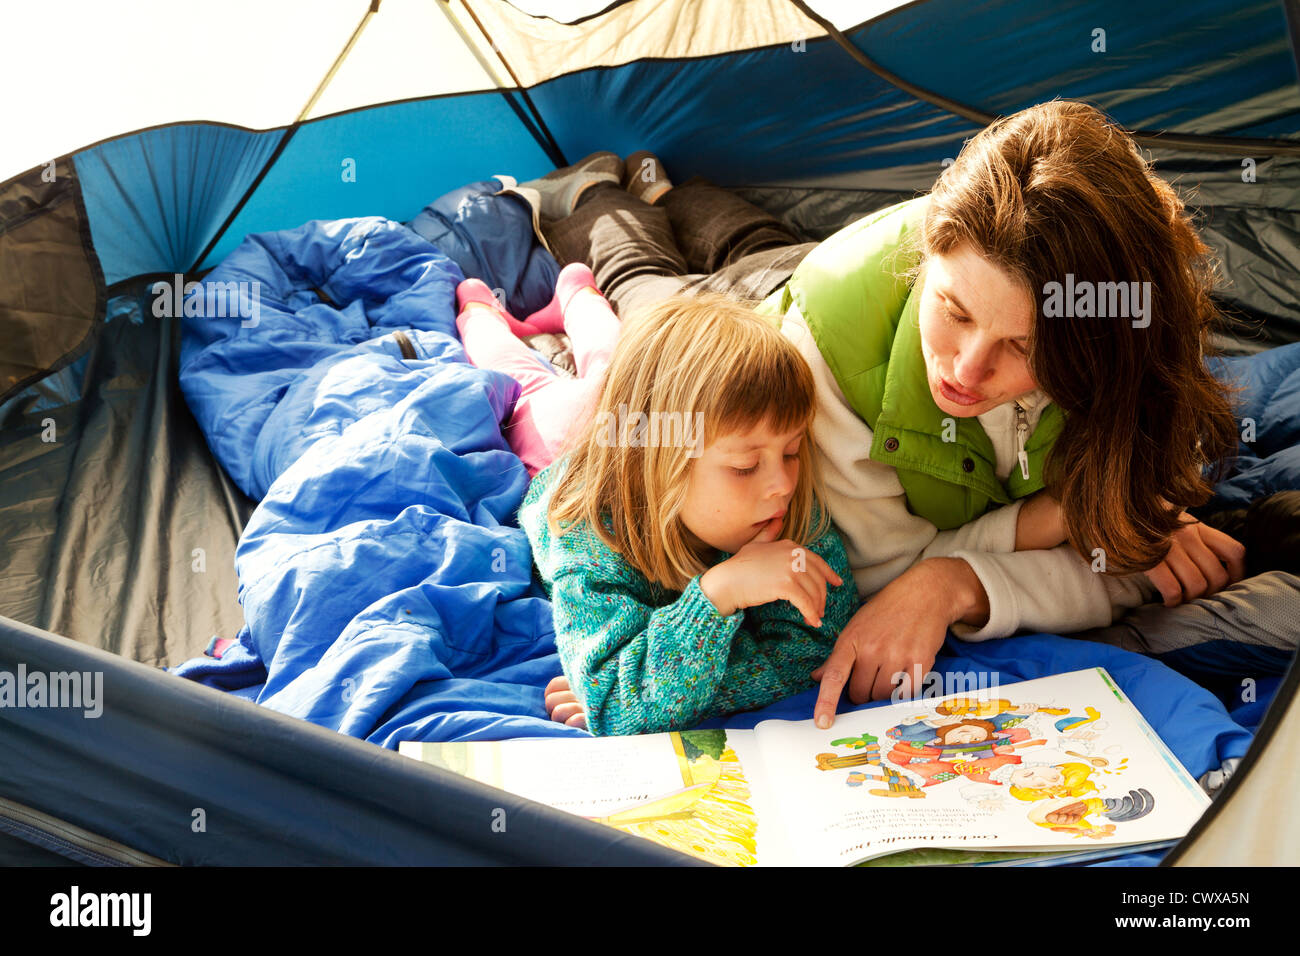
975, 321
738, 483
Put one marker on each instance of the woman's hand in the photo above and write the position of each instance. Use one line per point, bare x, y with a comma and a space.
767, 570
562, 704
1201, 560
899, 631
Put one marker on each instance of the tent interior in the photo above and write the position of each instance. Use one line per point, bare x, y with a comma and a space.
118, 534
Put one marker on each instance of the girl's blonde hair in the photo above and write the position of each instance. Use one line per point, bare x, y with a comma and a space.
691, 359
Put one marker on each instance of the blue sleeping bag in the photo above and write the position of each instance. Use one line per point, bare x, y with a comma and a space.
387, 591
490, 236
1268, 412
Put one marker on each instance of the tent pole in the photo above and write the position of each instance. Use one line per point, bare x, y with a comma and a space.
548, 143
288, 135
1232, 145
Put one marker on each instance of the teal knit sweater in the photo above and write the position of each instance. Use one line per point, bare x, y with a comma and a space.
643, 659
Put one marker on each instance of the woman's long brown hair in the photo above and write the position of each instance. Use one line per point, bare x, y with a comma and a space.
1061, 190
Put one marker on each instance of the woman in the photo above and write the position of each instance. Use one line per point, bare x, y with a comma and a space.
937, 330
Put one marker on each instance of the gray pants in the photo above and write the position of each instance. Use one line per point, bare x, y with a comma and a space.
1260, 613
698, 238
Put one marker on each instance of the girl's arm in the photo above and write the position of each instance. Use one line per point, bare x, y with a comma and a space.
635, 667
643, 669
776, 651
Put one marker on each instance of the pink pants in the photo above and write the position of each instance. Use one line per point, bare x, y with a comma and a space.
549, 405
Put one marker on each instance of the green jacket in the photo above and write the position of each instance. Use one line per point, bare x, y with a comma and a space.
863, 317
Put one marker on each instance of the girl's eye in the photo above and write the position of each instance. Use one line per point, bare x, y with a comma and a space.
745, 471
795, 456
954, 317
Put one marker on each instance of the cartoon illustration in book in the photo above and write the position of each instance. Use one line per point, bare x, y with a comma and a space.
1063, 805
897, 784
971, 738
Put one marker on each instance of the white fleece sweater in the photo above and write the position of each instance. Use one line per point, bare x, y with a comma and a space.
1055, 590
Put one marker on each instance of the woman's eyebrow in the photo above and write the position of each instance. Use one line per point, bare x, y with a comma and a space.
961, 308
953, 299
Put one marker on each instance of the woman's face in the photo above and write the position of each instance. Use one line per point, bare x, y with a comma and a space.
975, 322
738, 483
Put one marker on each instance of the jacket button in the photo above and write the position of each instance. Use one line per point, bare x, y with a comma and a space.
967, 465
891, 444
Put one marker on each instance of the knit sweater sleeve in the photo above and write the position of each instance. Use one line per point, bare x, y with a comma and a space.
635, 667
775, 651
638, 668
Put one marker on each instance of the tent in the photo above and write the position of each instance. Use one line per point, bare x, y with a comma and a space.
202, 125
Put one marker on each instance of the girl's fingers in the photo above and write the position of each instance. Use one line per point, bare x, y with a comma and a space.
578, 720
557, 699
798, 594
827, 571
565, 712
557, 685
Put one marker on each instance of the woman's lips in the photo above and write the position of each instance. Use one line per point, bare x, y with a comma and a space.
957, 396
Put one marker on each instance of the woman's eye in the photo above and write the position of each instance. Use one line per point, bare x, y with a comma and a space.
954, 317
794, 456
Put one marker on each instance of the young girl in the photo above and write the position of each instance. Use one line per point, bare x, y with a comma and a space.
691, 570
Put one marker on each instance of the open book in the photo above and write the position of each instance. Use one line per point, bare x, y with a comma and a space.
1062, 763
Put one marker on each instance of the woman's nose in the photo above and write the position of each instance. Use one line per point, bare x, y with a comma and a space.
973, 365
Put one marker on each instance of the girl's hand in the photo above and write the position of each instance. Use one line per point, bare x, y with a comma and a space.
900, 630
767, 570
562, 704
1201, 560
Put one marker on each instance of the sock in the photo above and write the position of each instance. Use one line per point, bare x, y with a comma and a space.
550, 318
476, 290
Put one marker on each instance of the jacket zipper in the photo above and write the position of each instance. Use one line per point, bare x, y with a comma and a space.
1022, 432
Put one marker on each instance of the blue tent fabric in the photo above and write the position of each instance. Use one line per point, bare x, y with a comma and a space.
490, 236
388, 593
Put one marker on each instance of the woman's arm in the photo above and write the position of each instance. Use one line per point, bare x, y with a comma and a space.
1039, 525
1201, 559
